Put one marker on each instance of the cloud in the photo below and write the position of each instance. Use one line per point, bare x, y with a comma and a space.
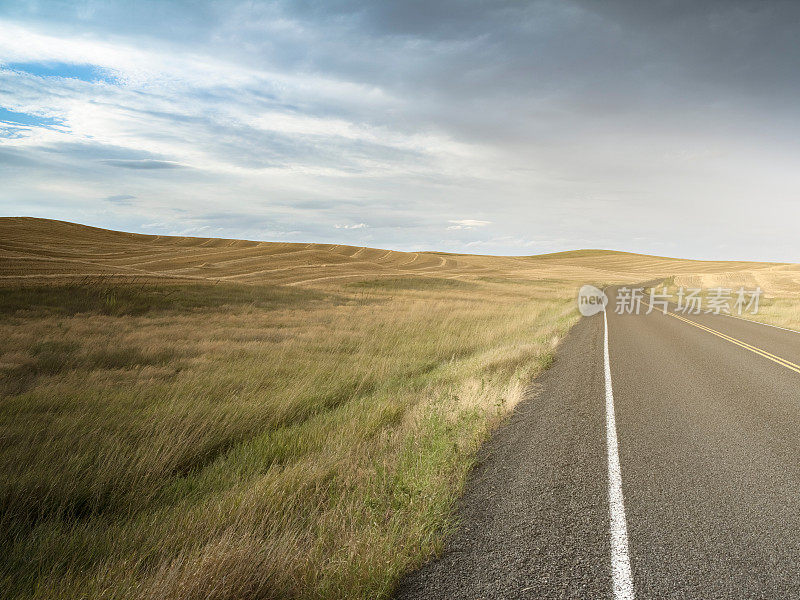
121, 199
83, 72
142, 164
576, 122
14, 158
355, 226
468, 224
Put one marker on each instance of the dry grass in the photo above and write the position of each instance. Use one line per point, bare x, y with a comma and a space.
189, 418
780, 302
310, 449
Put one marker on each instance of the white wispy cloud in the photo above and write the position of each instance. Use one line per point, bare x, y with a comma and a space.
355, 226
194, 108
467, 224
188, 129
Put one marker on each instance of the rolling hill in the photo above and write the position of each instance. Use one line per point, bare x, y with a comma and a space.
47, 250
186, 418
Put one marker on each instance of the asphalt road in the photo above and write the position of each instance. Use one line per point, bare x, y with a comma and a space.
707, 439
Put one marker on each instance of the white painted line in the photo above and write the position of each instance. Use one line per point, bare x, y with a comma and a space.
620, 561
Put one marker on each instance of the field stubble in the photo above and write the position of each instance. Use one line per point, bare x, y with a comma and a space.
187, 418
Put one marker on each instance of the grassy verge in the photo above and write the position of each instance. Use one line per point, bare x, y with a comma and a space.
776, 306
250, 442
777, 310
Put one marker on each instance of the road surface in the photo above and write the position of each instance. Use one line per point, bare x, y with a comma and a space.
702, 417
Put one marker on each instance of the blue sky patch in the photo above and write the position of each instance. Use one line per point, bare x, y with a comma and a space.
88, 73
17, 119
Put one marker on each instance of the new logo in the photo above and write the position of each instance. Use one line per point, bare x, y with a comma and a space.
591, 300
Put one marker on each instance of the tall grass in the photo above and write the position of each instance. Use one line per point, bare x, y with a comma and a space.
243, 442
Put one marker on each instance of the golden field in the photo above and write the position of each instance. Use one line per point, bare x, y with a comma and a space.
193, 418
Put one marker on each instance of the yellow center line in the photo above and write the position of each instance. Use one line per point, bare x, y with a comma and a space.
761, 352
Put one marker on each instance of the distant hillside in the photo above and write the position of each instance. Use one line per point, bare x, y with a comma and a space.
46, 250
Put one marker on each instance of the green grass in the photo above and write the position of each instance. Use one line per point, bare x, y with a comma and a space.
131, 298
251, 442
413, 283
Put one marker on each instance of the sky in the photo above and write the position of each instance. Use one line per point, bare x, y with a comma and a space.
493, 127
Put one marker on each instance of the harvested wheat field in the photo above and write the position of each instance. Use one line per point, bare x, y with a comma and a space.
205, 418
